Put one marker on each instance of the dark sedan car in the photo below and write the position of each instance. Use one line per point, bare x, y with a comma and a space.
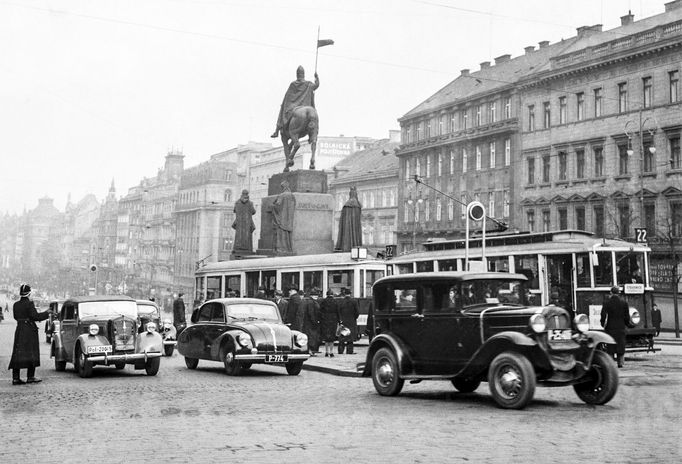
468, 327
240, 332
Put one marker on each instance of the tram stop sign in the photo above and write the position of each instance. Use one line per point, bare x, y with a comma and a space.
640, 234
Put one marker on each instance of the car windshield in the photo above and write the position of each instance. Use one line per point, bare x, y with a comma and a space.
492, 291
253, 312
147, 310
108, 309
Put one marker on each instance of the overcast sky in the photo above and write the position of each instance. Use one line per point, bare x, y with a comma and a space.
92, 91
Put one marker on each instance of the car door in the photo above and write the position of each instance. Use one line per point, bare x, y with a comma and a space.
68, 329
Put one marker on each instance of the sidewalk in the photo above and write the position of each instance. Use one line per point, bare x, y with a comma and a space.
667, 338
344, 365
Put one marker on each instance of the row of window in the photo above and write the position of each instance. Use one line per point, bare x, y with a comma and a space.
622, 99
455, 120
412, 209
470, 159
375, 198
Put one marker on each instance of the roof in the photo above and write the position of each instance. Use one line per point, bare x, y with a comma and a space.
379, 158
91, 298
341, 259
454, 275
232, 301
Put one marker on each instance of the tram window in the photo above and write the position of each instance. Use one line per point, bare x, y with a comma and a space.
582, 261
213, 287
447, 264
312, 279
200, 289
629, 268
528, 266
425, 266
233, 284
372, 276
291, 280
498, 264
405, 268
341, 279
603, 269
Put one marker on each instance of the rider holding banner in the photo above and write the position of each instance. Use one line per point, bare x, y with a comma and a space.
300, 93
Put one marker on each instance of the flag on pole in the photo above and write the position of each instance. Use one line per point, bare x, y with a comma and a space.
324, 43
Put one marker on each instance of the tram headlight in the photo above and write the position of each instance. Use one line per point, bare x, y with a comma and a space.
582, 322
244, 340
634, 317
537, 323
93, 329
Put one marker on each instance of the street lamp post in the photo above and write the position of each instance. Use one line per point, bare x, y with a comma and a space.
630, 151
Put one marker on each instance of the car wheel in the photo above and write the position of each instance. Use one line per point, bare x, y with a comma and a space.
465, 385
602, 380
59, 366
385, 373
83, 366
232, 366
152, 366
168, 350
120, 366
511, 379
191, 363
294, 368
246, 366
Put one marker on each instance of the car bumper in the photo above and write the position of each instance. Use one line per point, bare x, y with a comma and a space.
170, 342
261, 357
127, 358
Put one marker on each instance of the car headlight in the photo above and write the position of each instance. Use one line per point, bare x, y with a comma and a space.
151, 327
301, 339
93, 329
244, 340
537, 323
167, 324
634, 316
582, 322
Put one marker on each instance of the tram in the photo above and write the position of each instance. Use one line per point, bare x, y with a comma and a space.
570, 268
327, 271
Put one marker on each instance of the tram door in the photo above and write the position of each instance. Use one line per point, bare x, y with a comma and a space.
269, 281
560, 282
252, 283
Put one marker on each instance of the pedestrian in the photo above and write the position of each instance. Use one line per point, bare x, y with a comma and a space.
292, 311
348, 308
310, 312
179, 321
656, 319
330, 318
26, 350
261, 295
615, 316
281, 303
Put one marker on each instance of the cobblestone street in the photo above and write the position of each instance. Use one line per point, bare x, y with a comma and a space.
267, 416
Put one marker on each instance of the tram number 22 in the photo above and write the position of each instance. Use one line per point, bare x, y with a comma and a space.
640, 234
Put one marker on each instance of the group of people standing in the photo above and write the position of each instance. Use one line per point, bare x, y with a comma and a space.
322, 320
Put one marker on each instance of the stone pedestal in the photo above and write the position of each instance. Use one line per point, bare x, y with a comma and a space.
313, 216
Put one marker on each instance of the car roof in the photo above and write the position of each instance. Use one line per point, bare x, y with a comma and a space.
95, 298
459, 276
146, 303
231, 301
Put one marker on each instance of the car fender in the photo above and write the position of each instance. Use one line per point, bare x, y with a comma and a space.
149, 341
388, 340
229, 337
504, 341
597, 337
85, 340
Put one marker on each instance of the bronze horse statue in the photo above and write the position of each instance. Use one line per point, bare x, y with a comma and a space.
303, 121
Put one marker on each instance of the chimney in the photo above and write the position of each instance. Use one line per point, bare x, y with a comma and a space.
673, 5
502, 59
465, 72
586, 31
529, 50
485, 65
627, 19
544, 43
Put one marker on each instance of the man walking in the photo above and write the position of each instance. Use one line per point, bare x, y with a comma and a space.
179, 320
656, 319
349, 311
615, 316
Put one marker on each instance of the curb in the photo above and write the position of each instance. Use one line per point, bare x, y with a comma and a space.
331, 370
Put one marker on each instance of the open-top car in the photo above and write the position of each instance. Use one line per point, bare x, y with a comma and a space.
103, 330
148, 311
469, 327
240, 332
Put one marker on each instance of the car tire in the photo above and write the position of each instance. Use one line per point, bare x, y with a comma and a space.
246, 366
151, 367
191, 363
466, 385
168, 350
603, 380
232, 366
294, 368
386, 373
83, 366
511, 379
59, 366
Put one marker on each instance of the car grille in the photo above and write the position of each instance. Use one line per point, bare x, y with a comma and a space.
124, 330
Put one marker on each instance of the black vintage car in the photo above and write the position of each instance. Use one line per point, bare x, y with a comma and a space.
472, 327
240, 332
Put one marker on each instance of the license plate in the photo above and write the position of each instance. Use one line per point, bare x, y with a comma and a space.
558, 334
276, 358
99, 349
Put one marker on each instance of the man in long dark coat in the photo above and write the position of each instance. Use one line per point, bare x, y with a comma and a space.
329, 320
179, 320
292, 311
26, 350
615, 317
349, 311
310, 310
282, 304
